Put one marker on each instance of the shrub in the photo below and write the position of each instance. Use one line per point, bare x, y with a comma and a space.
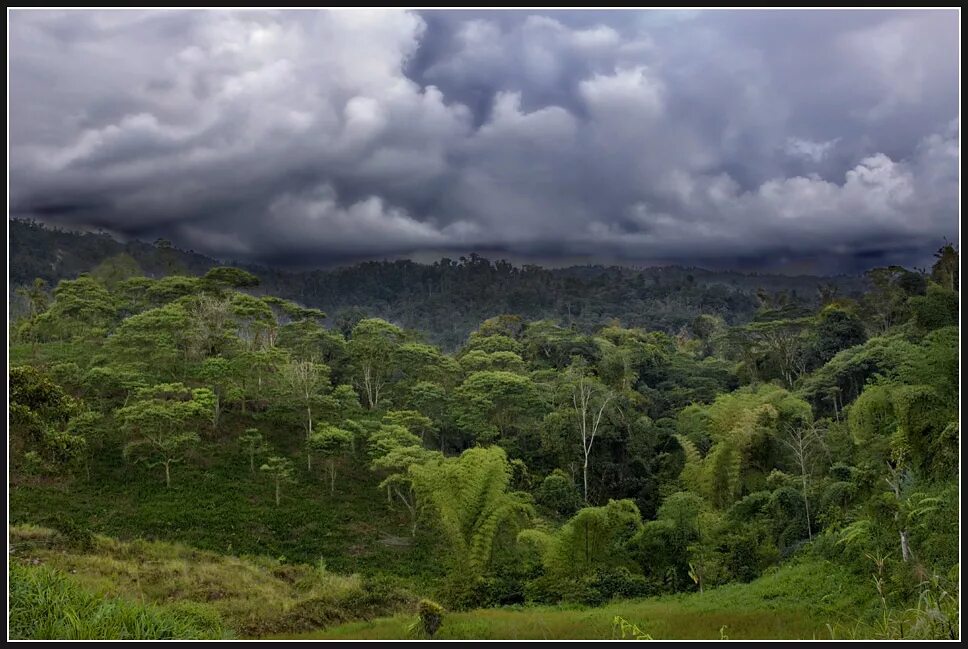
430, 615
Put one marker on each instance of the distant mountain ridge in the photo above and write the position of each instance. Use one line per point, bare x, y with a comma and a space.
449, 298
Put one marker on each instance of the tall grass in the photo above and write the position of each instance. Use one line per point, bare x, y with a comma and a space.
253, 595
45, 604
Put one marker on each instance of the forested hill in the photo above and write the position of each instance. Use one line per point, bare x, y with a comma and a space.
448, 299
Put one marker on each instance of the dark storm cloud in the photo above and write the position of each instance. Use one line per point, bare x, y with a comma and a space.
312, 137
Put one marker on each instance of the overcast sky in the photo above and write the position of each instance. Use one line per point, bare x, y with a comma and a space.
815, 141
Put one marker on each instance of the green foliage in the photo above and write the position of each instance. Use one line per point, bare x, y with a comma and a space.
936, 309
372, 349
156, 424
331, 443
252, 444
430, 615
706, 480
281, 471
596, 537
557, 493
471, 505
225, 276
495, 406
82, 308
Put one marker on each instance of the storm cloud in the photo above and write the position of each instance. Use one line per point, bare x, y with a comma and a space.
316, 137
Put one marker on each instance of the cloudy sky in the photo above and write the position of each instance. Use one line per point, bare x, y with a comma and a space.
813, 141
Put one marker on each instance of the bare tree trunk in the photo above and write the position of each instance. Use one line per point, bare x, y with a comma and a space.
806, 505
905, 546
167, 475
894, 482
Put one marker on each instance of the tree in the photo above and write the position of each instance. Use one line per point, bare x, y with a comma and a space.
82, 308
945, 269
412, 420
472, 505
394, 450
254, 321
280, 470
158, 424
806, 444
222, 277
114, 270
704, 558
217, 373
434, 401
36, 298
252, 444
371, 349
837, 329
593, 538
156, 340
589, 399
211, 320
494, 405
35, 295
936, 309
36, 405
330, 442
557, 493
305, 381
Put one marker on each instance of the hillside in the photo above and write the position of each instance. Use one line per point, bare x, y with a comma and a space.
448, 299
198, 445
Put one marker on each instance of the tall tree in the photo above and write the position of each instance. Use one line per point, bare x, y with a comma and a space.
589, 399
330, 442
305, 382
372, 349
252, 445
281, 471
806, 444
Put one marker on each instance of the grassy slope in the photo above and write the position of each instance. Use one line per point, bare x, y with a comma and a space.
796, 601
45, 604
251, 595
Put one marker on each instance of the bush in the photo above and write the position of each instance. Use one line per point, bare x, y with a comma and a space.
621, 583
558, 494
430, 615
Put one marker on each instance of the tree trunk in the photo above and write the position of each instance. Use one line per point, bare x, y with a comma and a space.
905, 546
167, 475
252, 462
806, 506
277, 493
332, 477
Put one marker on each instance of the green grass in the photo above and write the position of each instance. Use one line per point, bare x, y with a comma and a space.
45, 604
252, 595
796, 601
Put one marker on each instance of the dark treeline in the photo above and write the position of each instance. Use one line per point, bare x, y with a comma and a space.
447, 299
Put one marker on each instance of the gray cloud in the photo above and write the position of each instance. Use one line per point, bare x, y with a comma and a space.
313, 137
